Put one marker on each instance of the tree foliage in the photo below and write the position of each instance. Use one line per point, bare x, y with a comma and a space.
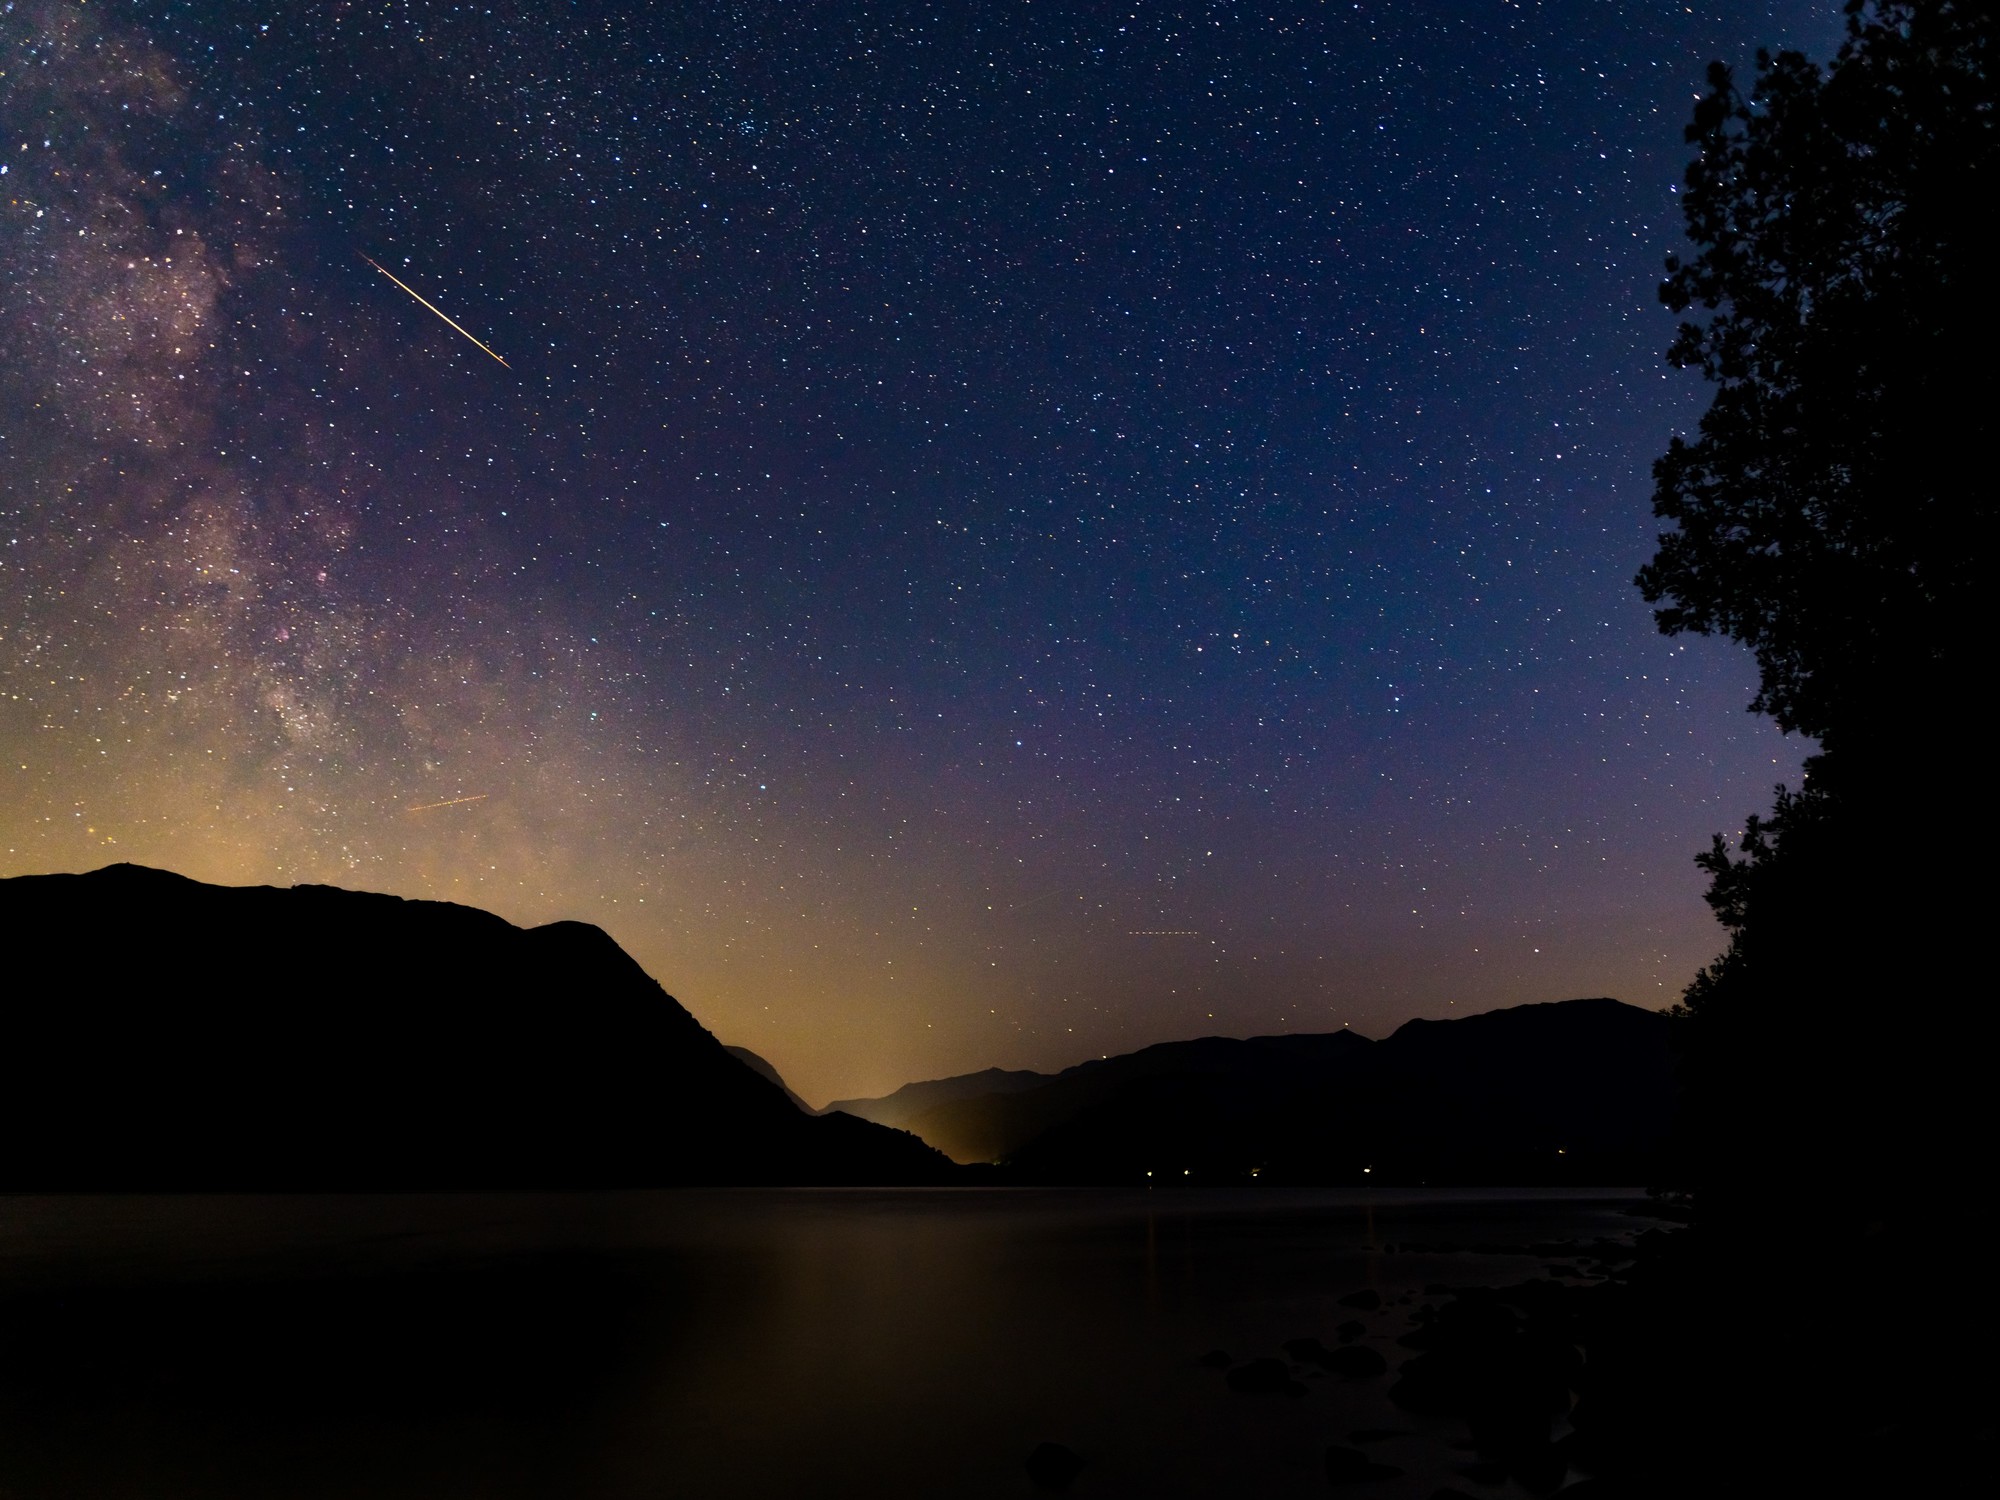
1835, 511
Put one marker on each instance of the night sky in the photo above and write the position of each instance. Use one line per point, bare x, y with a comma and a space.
1005, 532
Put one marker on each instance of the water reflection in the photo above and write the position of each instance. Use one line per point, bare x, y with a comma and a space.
716, 1344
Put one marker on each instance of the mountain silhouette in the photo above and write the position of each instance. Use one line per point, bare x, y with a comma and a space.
763, 1069
913, 1101
1574, 1091
159, 1033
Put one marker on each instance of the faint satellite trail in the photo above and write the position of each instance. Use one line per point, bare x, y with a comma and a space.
448, 802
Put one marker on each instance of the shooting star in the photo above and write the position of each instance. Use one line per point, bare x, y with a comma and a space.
431, 305
448, 802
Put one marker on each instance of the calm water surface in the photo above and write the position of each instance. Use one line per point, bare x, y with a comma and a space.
805, 1343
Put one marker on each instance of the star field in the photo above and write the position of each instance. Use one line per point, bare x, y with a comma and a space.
1005, 533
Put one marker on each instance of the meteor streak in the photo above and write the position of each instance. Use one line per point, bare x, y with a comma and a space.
454, 801
434, 308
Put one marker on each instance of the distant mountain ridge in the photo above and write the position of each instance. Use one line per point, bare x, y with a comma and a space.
159, 1033
769, 1073
1578, 1090
913, 1100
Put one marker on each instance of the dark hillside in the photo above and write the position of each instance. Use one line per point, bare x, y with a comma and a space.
158, 1033
1580, 1091
1127, 1092
1585, 1087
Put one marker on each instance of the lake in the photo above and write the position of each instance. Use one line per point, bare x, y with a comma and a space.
825, 1343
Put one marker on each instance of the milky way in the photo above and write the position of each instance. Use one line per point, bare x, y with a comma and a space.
1004, 533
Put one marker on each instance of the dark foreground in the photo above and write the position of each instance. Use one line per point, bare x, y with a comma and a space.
822, 1343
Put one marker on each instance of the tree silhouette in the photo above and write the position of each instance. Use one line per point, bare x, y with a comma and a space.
1835, 513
